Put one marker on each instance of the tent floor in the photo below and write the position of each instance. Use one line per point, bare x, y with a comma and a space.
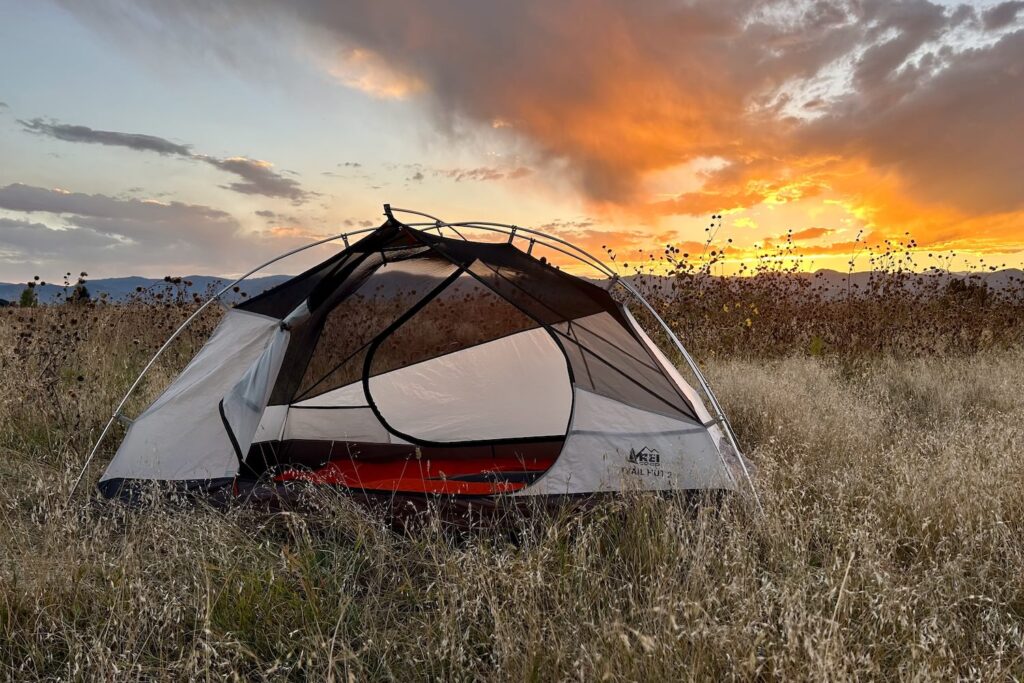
464, 470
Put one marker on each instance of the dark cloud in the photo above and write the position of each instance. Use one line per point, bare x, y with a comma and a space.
4, 105
616, 90
136, 141
266, 213
20, 238
956, 138
417, 177
257, 177
911, 24
1002, 15
154, 223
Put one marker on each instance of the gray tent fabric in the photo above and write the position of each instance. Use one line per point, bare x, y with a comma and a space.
615, 447
243, 406
181, 436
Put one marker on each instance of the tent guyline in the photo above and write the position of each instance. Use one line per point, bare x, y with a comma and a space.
412, 363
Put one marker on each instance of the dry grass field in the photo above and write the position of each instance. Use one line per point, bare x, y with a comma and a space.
888, 431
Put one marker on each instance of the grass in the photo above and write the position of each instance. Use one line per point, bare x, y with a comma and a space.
891, 545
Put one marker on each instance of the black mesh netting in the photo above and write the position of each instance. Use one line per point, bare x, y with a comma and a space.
398, 292
354, 322
463, 315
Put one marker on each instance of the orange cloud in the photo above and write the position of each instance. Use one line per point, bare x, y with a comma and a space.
810, 234
904, 113
365, 70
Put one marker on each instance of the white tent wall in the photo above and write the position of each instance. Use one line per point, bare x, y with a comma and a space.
245, 403
615, 447
348, 396
335, 424
181, 435
271, 426
513, 387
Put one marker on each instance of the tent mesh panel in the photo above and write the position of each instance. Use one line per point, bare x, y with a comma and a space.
356, 299
350, 327
624, 369
463, 315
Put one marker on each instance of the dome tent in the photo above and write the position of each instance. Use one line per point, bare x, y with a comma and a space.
414, 363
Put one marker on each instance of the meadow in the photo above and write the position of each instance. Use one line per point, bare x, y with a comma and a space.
887, 427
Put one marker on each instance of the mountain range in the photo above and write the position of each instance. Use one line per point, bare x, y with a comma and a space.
123, 288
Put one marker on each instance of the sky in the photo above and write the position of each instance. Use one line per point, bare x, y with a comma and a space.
140, 137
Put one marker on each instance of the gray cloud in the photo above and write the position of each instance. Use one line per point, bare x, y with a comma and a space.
957, 137
140, 221
136, 141
20, 238
4, 105
911, 23
257, 177
566, 224
484, 173
117, 236
274, 217
1002, 15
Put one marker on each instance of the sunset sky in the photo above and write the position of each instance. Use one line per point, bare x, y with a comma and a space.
140, 137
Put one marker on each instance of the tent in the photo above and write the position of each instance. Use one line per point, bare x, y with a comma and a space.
419, 363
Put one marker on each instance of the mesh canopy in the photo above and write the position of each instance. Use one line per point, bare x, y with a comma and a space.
463, 315
404, 296
617, 365
400, 297
349, 329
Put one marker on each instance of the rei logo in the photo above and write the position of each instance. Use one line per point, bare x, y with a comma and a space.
644, 456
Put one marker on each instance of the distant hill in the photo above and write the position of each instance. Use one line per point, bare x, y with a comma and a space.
119, 289
123, 288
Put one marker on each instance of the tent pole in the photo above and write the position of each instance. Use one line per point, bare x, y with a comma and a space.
504, 228
730, 434
177, 333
